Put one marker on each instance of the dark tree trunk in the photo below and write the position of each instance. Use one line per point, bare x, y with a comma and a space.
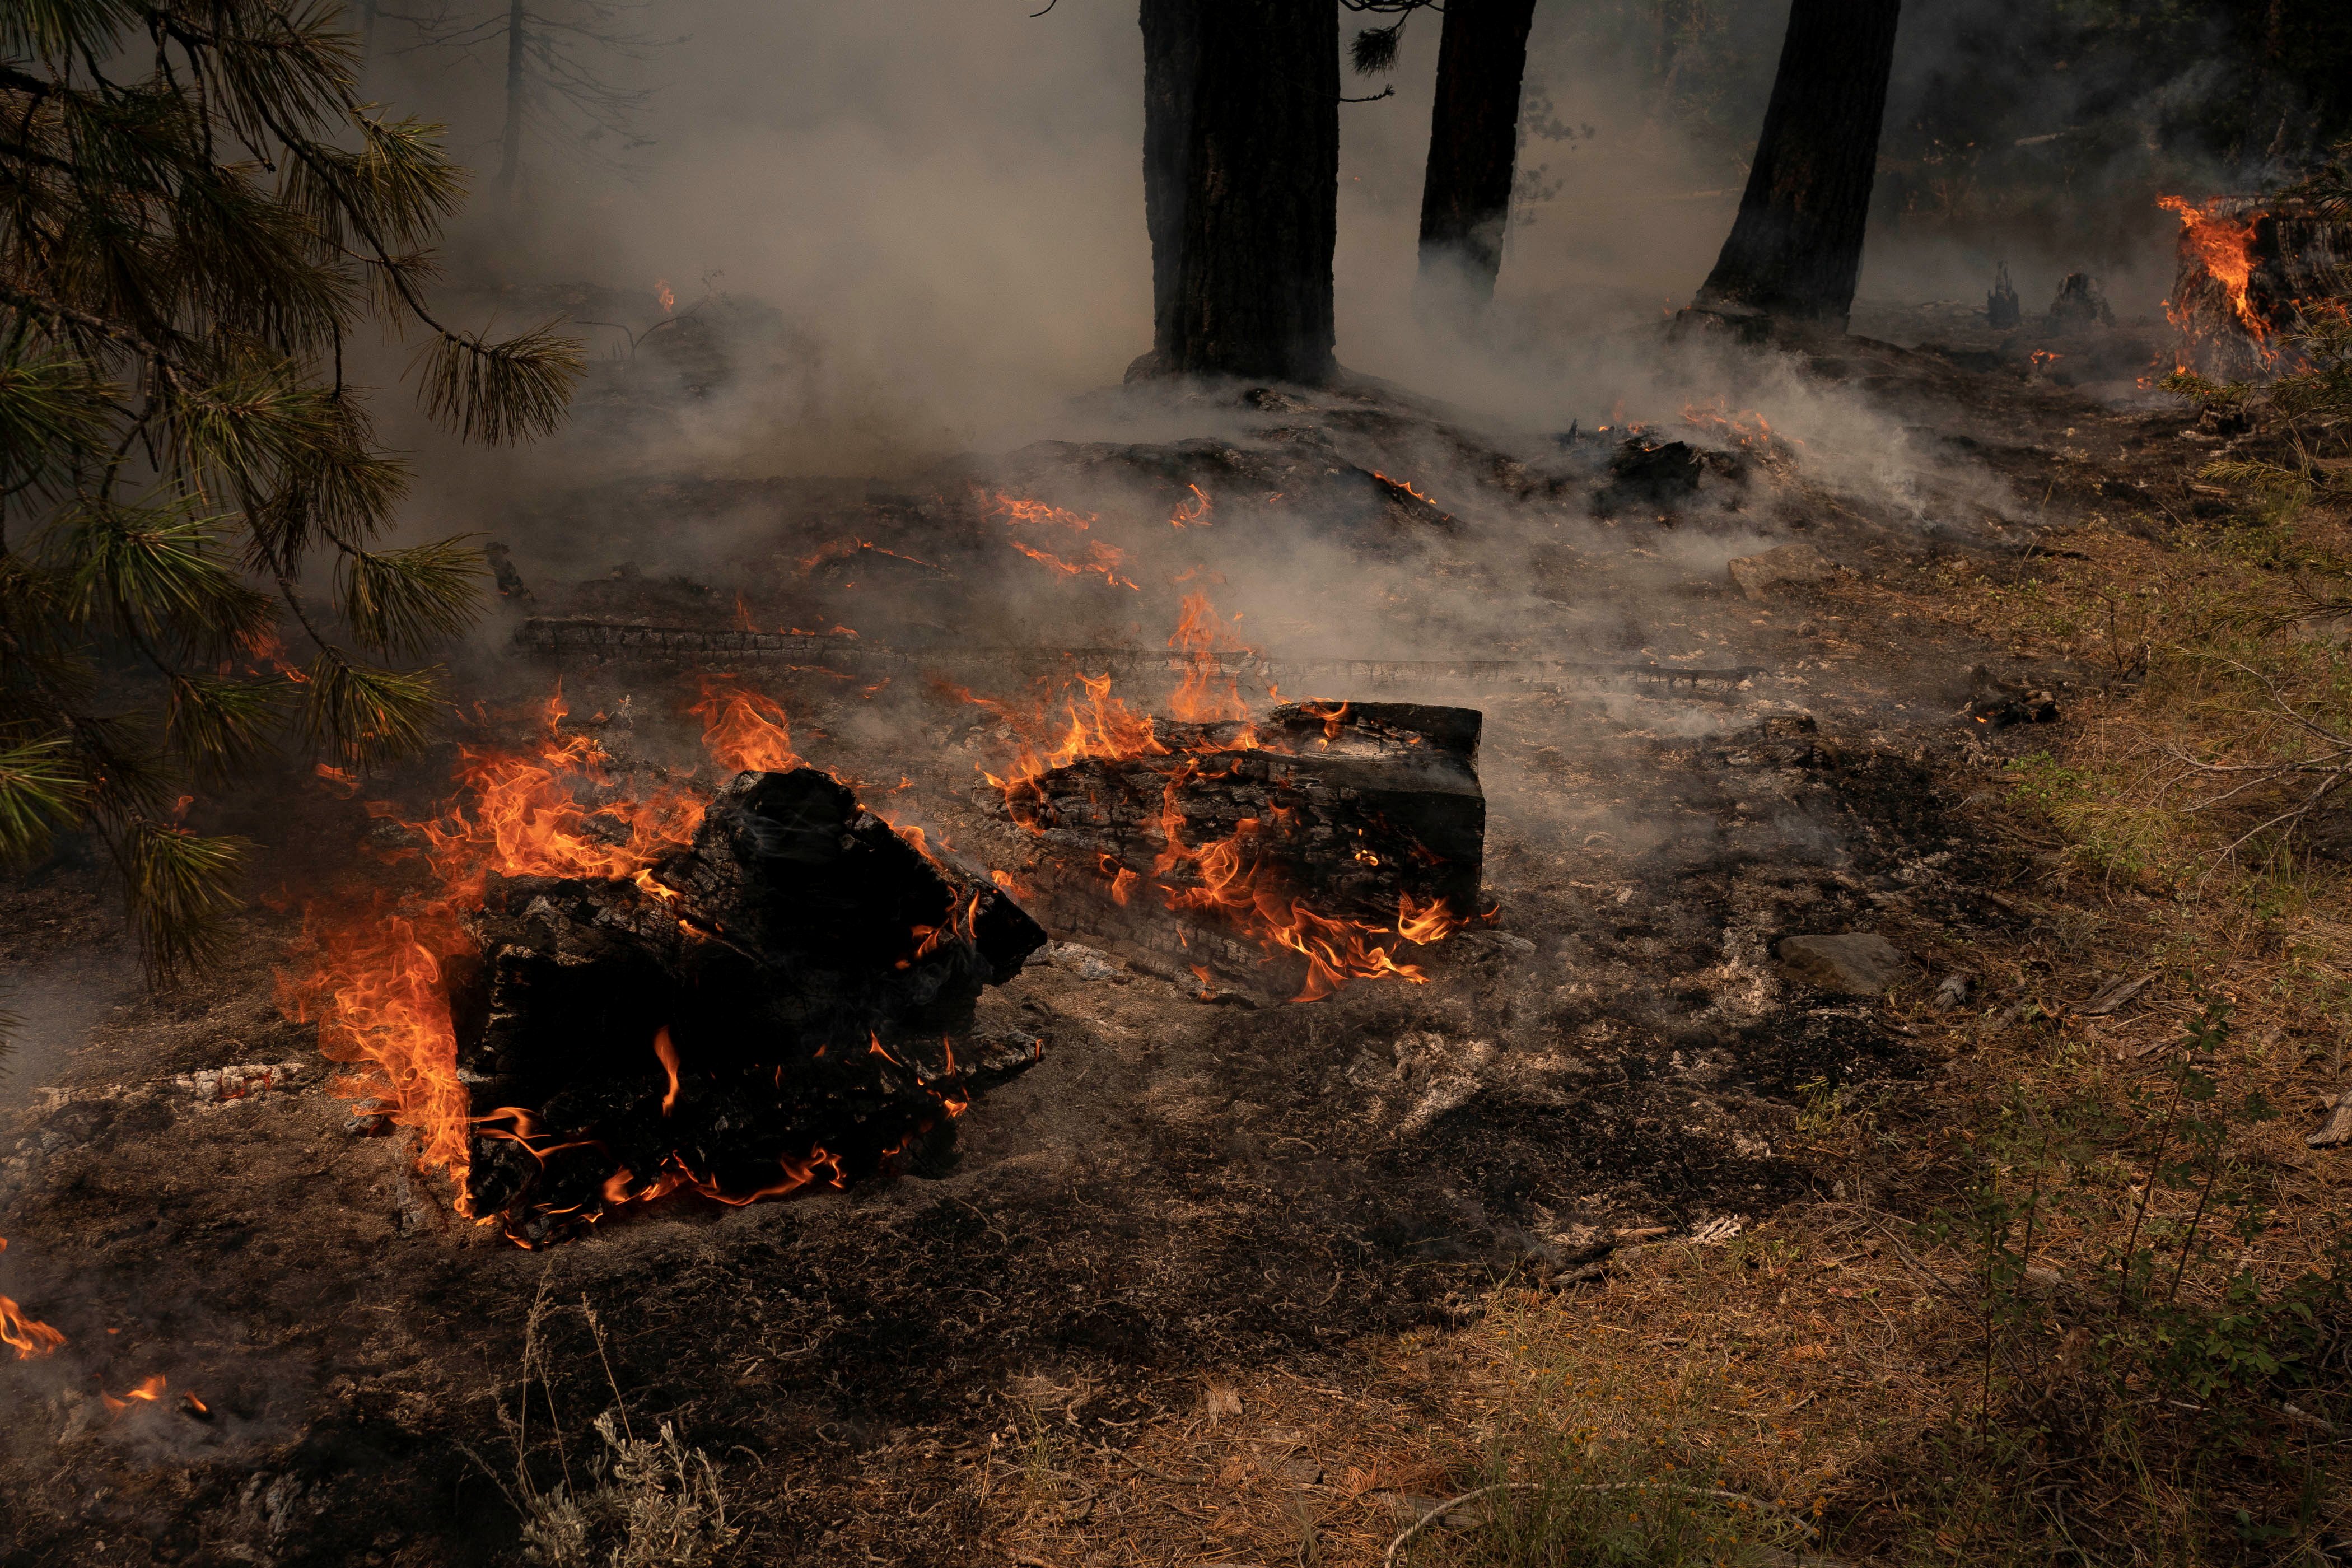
510, 138
1241, 169
1796, 247
1171, 60
1473, 142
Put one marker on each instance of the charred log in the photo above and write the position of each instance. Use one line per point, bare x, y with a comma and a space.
775, 1007
1363, 815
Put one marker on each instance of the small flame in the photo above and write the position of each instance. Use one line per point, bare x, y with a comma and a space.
668, 1052
26, 1336
1204, 697
1101, 560
1194, 510
147, 1393
1745, 427
662, 292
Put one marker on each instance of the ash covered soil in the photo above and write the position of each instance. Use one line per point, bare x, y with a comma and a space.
1180, 1183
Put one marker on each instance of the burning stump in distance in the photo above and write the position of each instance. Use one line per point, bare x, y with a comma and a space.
1290, 853
775, 1007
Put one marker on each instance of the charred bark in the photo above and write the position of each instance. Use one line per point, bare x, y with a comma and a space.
1241, 186
1796, 247
1473, 142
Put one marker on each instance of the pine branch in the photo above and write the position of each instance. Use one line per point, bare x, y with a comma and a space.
401, 600
496, 393
358, 716
40, 792
221, 726
182, 892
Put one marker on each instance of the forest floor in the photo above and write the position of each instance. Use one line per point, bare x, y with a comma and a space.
2027, 1255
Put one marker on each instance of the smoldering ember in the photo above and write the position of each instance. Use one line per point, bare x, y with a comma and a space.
1344, 784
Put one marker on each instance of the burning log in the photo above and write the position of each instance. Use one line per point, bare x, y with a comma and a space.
776, 1006
1321, 839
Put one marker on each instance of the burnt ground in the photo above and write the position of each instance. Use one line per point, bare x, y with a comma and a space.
1180, 1183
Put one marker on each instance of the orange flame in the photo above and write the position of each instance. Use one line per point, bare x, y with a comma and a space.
1102, 560
1190, 511
1746, 427
1204, 697
375, 982
663, 293
149, 1392
26, 1336
744, 730
2223, 247
668, 1054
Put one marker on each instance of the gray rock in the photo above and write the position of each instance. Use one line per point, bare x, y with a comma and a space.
1783, 563
2338, 1127
1085, 963
1860, 964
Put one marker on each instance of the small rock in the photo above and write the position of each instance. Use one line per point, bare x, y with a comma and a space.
1784, 564
2338, 1127
1504, 940
1083, 961
1859, 964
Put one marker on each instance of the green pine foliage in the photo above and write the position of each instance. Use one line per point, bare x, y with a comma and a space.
195, 211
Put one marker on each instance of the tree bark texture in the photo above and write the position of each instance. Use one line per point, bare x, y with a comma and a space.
511, 137
1474, 141
1242, 184
1796, 247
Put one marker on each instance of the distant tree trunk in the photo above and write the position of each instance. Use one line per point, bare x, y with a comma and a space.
1171, 61
1796, 247
511, 139
1473, 142
1241, 186
367, 38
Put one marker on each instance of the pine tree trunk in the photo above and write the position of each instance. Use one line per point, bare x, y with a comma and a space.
1796, 247
1172, 59
1473, 142
510, 138
1241, 186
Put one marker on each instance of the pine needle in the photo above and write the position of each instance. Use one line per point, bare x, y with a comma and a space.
182, 894
496, 393
358, 716
403, 599
41, 791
